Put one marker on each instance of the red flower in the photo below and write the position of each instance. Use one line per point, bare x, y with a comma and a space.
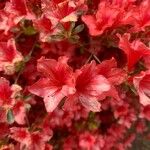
19, 6
145, 112
45, 27
37, 141
134, 51
19, 112
86, 140
122, 3
108, 68
31, 140
4, 130
8, 101
57, 81
9, 56
115, 76
142, 84
61, 11
5, 21
21, 135
19, 9
105, 17
89, 86
147, 61
5, 94
141, 16
13, 13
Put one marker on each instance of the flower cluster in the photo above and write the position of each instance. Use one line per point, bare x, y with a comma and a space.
74, 74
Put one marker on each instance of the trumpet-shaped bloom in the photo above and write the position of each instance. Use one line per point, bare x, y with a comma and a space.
56, 83
89, 86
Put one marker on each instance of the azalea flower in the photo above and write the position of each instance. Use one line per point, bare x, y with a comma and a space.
5, 94
74, 74
31, 140
8, 102
142, 84
19, 9
62, 10
114, 75
104, 18
44, 25
108, 15
147, 61
9, 56
141, 16
89, 86
21, 135
134, 51
56, 83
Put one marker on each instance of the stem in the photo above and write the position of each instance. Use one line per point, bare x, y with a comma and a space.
20, 72
89, 59
97, 59
27, 120
17, 36
25, 61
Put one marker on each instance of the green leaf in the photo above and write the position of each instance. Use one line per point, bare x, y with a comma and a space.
78, 29
72, 26
58, 37
74, 39
10, 116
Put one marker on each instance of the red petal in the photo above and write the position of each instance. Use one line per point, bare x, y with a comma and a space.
19, 112
52, 100
42, 87
21, 135
90, 103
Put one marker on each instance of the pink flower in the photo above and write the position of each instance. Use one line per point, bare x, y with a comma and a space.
56, 83
142, 84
